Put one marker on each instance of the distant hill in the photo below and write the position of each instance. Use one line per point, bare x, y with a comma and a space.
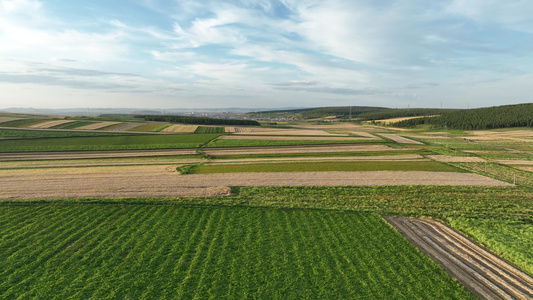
362, 113
518, 115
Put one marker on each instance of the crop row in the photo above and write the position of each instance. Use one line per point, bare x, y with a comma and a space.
145, 251
118, 142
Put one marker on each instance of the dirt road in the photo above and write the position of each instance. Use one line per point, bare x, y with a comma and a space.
485, 274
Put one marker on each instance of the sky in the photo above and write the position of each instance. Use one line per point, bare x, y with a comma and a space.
265, 54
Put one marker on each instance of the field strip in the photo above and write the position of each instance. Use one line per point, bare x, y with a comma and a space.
49, 124
298, 149
180, 128
289, 138
97, 125
69, 163
7, 119
86, 155
400, 139
407, 157
125, 127
304, 132
485, 274
515, 162
164, 181
365, 134
448, 158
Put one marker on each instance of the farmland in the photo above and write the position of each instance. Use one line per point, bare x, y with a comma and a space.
93, 251
258, 212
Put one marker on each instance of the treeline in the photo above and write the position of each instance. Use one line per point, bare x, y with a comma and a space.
402, 113
320, 112
519, 115
197, 120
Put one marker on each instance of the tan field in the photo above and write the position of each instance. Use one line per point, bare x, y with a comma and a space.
49, 124
180, 128
97, 125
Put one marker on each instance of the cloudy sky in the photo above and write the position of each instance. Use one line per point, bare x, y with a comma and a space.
261, 53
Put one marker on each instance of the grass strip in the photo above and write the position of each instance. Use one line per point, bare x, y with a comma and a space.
328, 166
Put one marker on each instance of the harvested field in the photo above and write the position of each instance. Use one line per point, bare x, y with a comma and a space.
49, 124
125, 127
293, 132
97, 125
7, 119
164, 181
483, 273
287, 138
394, 120
365, 134
297, 149
180, 128
448, 158
401, 139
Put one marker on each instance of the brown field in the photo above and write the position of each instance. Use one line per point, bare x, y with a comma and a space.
447, 158
485, 274
48, 124
401, 139
180, 128
97, 125
7, 119
165, 181
288, 138
295, 132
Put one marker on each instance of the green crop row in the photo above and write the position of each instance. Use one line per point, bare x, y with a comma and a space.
261, 143
177, 252
209, 129
119, 142
431, 166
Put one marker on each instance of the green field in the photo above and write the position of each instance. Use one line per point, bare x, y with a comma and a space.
17, 134
150, 127
179, 252
323, 154
209, 129
431, 166
511, 239
22, 123
116, 142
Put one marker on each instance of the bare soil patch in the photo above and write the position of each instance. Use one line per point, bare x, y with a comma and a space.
448, 158
164, 181
485, 274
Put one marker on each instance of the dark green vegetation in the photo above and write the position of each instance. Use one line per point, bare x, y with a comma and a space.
362, 113
197, 120
36, 134
150, 127
520, 115
205, 129
179, 252
511, 239
21, 123
115, 142
431, 166
73, 125
324, 154
402, 113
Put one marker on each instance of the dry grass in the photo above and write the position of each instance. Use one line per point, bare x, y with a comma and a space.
180, 128
48, 124
446, 158
401, 139
7, 119
97, 125
164, 181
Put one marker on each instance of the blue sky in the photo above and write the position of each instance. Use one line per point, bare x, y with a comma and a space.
259, 53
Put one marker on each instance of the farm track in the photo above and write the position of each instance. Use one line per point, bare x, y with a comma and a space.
485, 274
164, 181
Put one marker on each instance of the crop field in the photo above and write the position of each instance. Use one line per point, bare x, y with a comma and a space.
49, 124
20, 123
146, 251
149, 127
75, 125
180, 128
321, 166
209, 129
512, 239
219, 143
116, 142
